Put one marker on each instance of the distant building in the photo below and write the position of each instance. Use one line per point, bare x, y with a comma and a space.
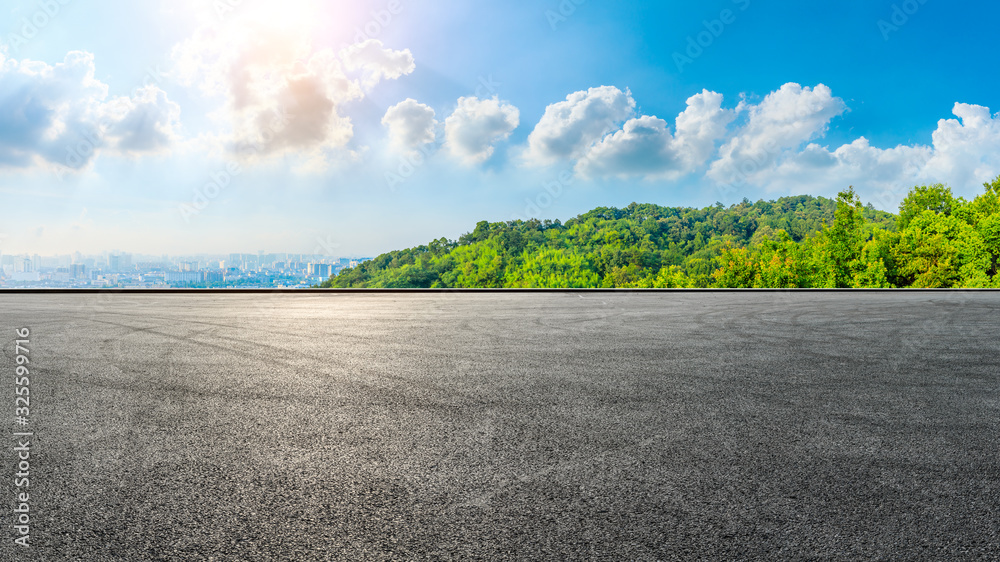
26, 276
319, 270
185, 277
118, 263
78, 271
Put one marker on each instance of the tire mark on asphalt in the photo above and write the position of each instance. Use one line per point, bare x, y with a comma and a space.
356, 374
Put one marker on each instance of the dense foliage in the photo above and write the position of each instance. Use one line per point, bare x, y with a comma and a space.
937, 240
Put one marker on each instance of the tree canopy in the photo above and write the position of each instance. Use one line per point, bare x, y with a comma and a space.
936, 240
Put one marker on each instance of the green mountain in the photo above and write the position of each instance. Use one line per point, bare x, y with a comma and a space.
937, 240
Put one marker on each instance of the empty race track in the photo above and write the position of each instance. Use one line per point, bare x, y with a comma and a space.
556, 426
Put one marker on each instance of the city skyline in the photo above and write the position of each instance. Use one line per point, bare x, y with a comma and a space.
124, 270
358, 125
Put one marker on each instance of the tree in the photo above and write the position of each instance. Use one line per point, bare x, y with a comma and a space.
877, 269
839, 247
936, 198
669, 277
938, 241
738, 269
553, 268
939, 251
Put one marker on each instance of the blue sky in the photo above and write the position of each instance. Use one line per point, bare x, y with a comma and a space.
359, 127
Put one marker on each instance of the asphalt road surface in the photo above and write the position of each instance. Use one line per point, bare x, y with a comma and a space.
732, 426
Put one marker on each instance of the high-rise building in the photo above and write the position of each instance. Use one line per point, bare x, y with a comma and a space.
119, 262
320, 270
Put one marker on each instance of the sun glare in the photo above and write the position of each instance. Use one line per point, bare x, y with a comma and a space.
289, 14
329, 23
325, 22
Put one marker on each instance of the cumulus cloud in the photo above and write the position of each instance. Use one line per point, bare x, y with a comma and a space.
773, 147
818, 170
784, 120
280, 95
967, 149
700, 126
411, 124
377, 63
965, 153
476, 126
60, 115
645, 146
570, 127
145, 123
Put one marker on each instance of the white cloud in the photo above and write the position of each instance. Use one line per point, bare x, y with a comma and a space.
376, 62
281, 96
772, 148
964, 154
700, 126
411, 124
60, 116
967, 150
146, 123
477, 125
784, 120
569, 128
645, 147
819, 171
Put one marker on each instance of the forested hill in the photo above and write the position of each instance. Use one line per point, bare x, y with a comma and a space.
803, 241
